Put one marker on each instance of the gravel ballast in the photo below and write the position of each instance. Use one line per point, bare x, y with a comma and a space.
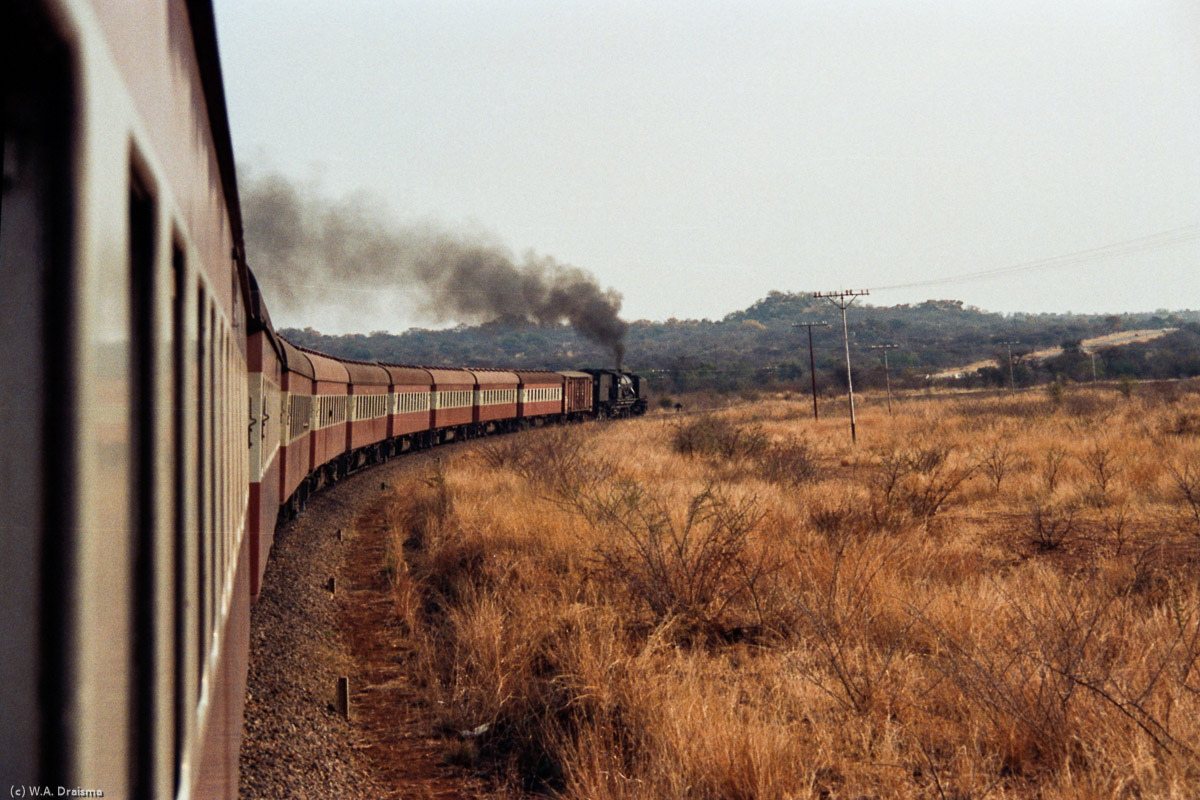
296, 746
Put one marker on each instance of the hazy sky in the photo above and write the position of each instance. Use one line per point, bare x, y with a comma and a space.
695, 156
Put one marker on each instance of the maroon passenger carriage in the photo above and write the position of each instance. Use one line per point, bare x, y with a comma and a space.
265, 435
123, 296
295, 451
331, 402
540, 395
411, 395
367, 427
495, 400
452, 402
156, 426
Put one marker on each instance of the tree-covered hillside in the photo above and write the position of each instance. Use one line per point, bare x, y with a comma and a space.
759, 345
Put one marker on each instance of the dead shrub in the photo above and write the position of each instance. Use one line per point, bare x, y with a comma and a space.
791, 462
841, 520
1183, 423
560, 461
856, 640
1052, 462
1055, 665
502, 452
696, 567
1116, 525
716, 437
1088, 405
1051, 525
915, 483
997, 461
1185, 479
1103, 465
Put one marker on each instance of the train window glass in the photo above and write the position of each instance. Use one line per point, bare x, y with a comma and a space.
143, 405
179, 372
203, 454
227, 452
219, 402
214, 497
37, 131
220, 428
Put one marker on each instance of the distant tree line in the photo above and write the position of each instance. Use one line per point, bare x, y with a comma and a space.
758, 347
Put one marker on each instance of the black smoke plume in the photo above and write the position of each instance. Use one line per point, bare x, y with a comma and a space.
309, 253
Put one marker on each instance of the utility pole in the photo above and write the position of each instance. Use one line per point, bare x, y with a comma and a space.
843, 300
812, 361
1092, 353
887, 374
1012, 381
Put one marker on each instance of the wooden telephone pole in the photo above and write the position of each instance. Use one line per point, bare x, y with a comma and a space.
887, 373
812, 361
1012, 380
843, 300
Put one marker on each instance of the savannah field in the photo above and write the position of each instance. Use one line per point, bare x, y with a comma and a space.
988, 596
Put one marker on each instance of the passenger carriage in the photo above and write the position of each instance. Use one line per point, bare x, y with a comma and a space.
410, 420
453, 402
367, 423
295, 458
331, 404
540, 395
495, 401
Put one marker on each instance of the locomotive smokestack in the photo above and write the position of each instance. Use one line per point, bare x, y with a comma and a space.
298, 244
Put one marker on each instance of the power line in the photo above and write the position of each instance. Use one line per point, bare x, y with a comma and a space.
1151, 241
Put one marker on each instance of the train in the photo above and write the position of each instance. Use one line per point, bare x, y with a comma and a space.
155, 426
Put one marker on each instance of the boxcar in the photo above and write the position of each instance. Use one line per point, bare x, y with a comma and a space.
577, 394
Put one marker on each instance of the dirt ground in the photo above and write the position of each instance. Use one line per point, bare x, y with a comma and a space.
304, 637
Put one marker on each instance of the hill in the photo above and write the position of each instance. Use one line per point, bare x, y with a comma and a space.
758, 346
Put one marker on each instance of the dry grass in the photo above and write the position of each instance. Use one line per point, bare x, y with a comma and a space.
989, 597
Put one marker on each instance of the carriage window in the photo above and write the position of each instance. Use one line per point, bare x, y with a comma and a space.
143, 406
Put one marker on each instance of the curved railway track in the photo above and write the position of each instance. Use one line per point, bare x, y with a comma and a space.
304, 637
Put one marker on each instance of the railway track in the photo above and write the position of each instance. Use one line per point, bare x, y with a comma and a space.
303, 638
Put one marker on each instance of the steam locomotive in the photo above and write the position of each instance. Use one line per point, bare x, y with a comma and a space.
154, 424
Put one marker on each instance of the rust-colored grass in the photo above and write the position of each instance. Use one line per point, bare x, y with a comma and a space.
986, 597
